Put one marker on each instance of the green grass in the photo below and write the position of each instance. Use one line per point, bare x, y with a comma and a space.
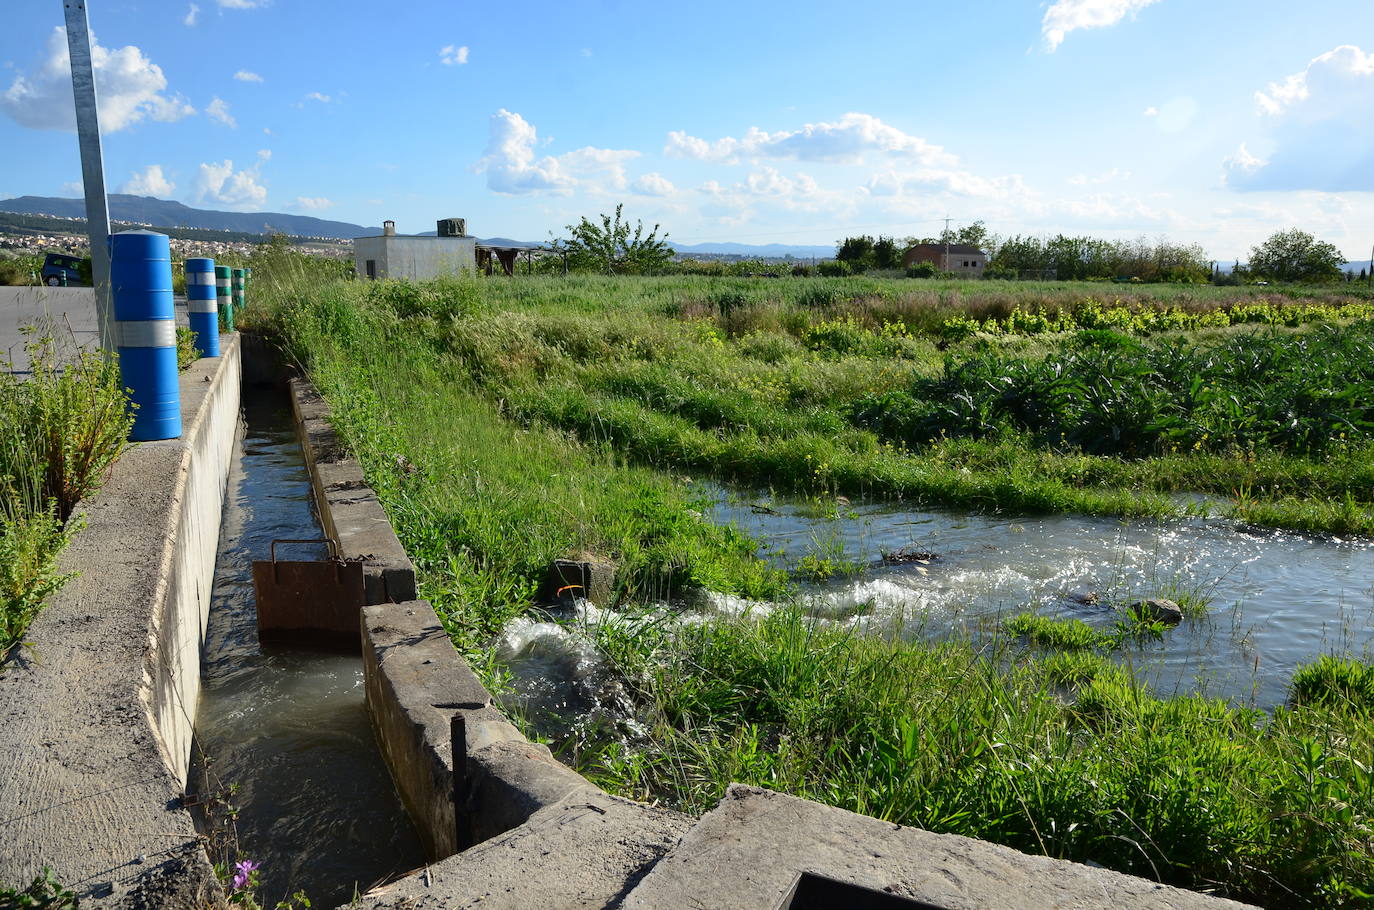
488, 504
64, 427
1066, 758
1063, 634
505, 423
1340, 684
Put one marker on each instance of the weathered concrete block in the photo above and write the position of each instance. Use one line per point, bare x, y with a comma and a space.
584, 851
415, 682
585, 575
507, 782
748, 851
349, 509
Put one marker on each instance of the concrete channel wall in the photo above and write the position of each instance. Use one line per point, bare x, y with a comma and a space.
510, 827
98, 711
421, 695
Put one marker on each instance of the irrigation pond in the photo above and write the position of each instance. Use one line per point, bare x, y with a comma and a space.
1269, 600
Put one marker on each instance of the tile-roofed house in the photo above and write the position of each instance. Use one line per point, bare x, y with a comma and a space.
956, 258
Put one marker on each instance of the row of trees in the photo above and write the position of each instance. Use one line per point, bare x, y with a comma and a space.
1068, 258
614, 247
1287, 256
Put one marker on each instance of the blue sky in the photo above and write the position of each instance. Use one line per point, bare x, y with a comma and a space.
1215, 122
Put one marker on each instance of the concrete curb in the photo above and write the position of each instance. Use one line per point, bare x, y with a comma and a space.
424, 702
99, 714
348, 508
421, 694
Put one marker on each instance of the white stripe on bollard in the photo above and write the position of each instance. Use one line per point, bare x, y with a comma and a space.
146, 333
202, 306
200, 277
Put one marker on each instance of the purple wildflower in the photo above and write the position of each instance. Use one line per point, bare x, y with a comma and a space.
242, 871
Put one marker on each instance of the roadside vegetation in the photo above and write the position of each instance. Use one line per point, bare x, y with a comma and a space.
506, 423
65, 424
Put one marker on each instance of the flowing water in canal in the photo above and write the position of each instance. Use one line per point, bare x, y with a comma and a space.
286, 728
1273, 599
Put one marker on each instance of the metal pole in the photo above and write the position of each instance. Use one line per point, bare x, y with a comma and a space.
92, 163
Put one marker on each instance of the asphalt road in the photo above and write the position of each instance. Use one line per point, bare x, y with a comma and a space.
69, 311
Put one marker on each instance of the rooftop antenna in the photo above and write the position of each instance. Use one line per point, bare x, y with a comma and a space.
92, 162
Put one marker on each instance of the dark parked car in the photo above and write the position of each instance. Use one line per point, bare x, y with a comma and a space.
60, 270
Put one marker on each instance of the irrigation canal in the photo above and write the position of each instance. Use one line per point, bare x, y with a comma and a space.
287, 730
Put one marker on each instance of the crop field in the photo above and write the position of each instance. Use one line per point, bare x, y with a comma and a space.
508, 422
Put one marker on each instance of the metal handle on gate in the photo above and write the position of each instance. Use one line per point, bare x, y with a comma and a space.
333, 549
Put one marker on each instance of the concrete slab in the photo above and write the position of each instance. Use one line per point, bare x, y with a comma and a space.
748, 851
587, 850
97, 714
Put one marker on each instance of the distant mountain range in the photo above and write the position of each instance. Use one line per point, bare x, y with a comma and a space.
165, 213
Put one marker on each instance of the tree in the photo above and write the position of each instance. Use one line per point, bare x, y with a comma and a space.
610, 248
856, 252
1296, 255
886, 255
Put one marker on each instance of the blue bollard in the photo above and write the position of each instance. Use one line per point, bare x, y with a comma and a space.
202, 305
145, 331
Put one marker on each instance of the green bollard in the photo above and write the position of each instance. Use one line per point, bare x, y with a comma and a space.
237, 285
223, 296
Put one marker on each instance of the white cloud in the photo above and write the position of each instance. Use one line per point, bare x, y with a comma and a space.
149, 182
1152, 111
653, 184
264, 154
218, 109
1345, 64
953, 182
243, 4
1105, 177
848, 140
1071, 15
219, 183
247, 76
1242, 160
512, 167
74, 188
191, 15
1318, 135
318, 96
129, 87
769, 182
313, 203
453, 56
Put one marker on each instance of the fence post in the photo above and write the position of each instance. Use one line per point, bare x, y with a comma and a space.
226, 301
202, 306
145, 331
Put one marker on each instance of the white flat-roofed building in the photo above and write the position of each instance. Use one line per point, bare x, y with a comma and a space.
417, 257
